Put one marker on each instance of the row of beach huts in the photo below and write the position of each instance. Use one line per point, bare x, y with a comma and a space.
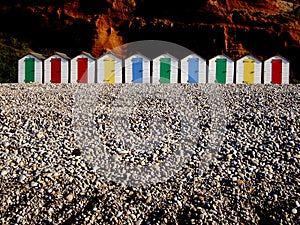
137, 68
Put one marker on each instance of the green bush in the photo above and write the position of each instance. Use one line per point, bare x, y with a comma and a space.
11, 50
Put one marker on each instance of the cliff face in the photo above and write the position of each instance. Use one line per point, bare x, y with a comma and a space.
208, 27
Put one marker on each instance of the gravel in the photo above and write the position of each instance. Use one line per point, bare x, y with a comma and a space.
251, 177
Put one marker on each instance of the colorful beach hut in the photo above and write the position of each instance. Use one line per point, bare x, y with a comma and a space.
137, 69
221, 70
57, 68
109, 69
193, 69
83, 68
30, 68
276, 70
248, 70
165, 69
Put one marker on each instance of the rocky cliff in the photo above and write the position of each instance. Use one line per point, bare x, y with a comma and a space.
208, 27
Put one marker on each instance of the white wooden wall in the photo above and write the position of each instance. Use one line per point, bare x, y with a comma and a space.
285, 72
156, 68
64, 69
240, 70
128, 69
100, 68
268, 70
91, 69
212, 69
202, 69
38, 69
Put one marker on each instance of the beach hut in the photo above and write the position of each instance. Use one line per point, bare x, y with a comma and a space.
137, 69
193, 69
248, 70
165, 69
109, 69
276, 70
30, 68
221, 70
57, 68
83, 68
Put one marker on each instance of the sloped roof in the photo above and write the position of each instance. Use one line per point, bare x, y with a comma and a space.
138, 53
249, 55
88, 55
109, 53
63, 55
194, 55
37, 55
166, 53
280, 56
224, 56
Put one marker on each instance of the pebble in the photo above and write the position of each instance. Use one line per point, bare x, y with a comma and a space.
4, 172
70, 197
34, 184
21, 178
254, 166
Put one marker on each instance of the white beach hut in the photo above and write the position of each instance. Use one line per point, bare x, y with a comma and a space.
83, 68
165, 69
109, 69
57, 68
30, 68
248, 70
276, 70
193, 69
221, 70
137, 69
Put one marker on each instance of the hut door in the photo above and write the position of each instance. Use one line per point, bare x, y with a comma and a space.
193, 70
137, 70
221, 71
82, 70
29, 70
249, 71
165, 70
276, 71
55, 70
109, 71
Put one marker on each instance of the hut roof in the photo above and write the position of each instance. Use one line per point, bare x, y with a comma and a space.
37, 55
140, 54
88, 55
194, 55
278, 56
166, 53
63, 55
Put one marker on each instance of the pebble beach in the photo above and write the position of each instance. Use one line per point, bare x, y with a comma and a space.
250, 176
